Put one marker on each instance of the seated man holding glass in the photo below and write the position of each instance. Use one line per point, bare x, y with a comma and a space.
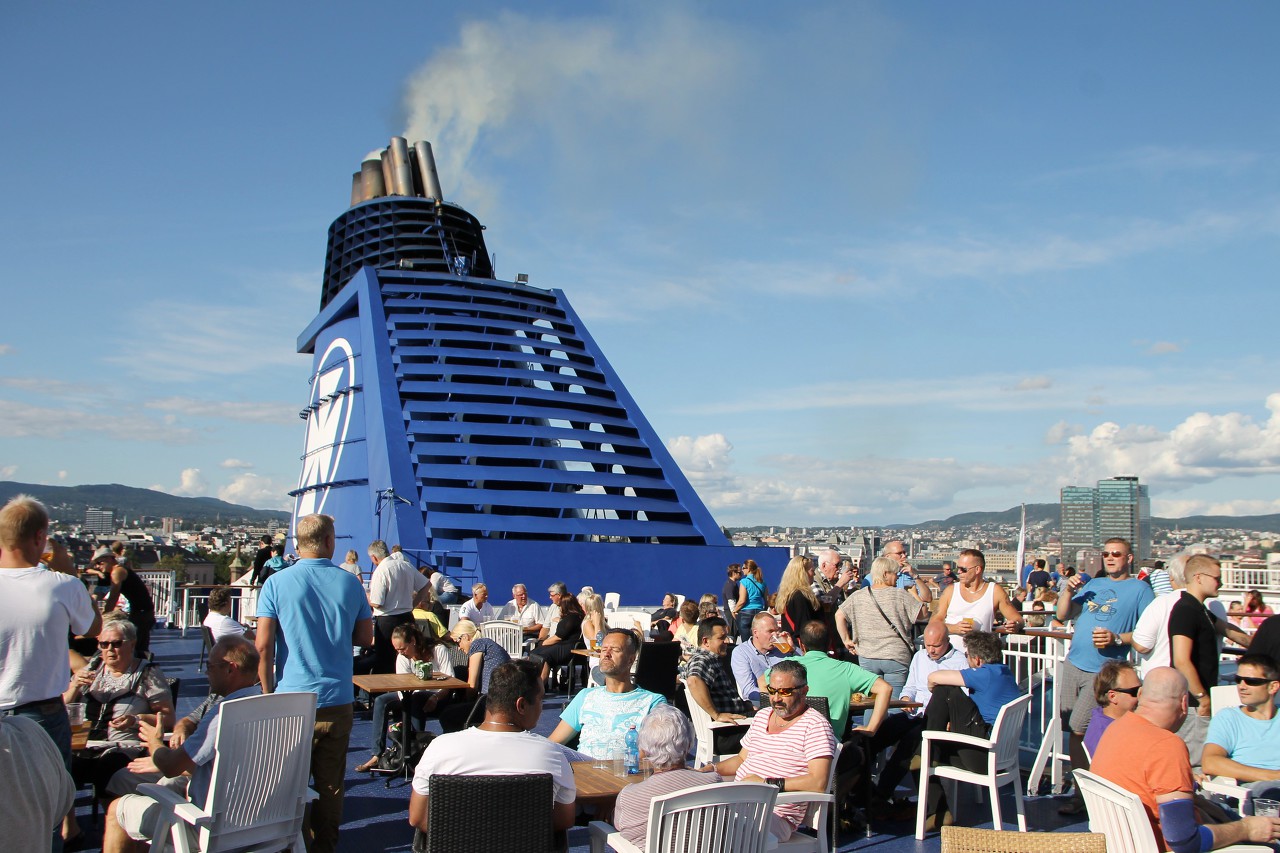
1244, 742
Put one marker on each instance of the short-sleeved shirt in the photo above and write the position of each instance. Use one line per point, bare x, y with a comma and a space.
720, 684
1111, 604
1098, 725
991, 687
477, 614
37, 608
836, 681
1247, 740
222, 625
729, 595
877, 637
786, 754
200, 746
1039, 578
1152, 632
478, 752
316, 606
494, 656
394, 585
1141, 757
1189, 618
602, 718
631, 812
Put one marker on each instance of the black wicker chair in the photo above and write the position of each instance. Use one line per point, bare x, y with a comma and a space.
820, 703
496, 814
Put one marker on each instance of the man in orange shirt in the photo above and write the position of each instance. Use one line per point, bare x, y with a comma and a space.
1141, 753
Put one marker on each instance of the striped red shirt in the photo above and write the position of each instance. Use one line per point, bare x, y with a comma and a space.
786, 754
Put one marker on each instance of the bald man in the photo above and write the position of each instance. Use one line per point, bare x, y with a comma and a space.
1141, 753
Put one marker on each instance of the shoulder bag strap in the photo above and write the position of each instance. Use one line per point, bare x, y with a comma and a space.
910, 645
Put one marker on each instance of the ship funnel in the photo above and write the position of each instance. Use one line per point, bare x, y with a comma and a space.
427, 166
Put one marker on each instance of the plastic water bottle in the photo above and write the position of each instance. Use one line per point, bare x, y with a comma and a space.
632, 756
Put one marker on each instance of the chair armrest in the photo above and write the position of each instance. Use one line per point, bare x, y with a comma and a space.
606, 835
175, 805
803, 797
1227, 787
955, 737
722, 724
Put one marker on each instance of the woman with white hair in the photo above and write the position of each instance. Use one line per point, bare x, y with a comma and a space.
666, 738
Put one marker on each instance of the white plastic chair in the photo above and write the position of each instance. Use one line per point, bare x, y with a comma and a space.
1222, 697
702, 729
731, 817
818, 819
258, 791
612, 601
1118, 814
1002, 763
506, 634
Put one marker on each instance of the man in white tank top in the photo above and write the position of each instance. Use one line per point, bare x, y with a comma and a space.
972, 602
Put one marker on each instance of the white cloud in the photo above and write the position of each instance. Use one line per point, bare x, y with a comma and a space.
1061, 431
8, 471
254, 413
805, 488
22, 420
1163, 348
6, 349
1034, 383
256, 491
62, 475
235, 463
1183, 508
193, 484
1202, 448
1159, 161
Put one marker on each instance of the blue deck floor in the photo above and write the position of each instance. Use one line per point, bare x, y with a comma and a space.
376, 817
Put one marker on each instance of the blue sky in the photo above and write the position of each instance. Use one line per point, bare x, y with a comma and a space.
859, 263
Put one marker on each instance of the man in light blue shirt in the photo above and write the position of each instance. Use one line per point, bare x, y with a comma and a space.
233, 673
308, 619
938, 653
750, 659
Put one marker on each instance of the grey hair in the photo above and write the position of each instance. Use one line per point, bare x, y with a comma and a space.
520, 587
378, 550
884, 569
666, 736
128, 631
558, 588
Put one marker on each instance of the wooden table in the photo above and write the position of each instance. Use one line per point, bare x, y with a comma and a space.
403, 682
599, 788
391, 682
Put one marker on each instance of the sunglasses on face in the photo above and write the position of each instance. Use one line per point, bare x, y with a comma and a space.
110, 644
1251, 680
781, 691
1128, 691
1116, 554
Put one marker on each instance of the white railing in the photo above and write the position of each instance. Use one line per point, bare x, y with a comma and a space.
161, 587
1036, 663
1238, 579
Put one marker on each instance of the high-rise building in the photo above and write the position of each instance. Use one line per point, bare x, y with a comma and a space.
100, 521
1117, 506
474, 421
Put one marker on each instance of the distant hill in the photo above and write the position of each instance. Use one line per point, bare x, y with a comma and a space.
1036, 513
68, 503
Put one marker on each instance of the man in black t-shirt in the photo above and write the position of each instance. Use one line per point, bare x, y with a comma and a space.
1038, 578
1193, 642
729, 594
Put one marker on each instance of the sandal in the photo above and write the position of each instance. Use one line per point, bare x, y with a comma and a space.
368, 765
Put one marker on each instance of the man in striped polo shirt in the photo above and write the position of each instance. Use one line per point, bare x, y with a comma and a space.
789, 745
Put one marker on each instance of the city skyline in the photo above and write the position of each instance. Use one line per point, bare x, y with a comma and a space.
858, 265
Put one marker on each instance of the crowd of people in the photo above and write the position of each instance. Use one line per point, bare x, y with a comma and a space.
802, 678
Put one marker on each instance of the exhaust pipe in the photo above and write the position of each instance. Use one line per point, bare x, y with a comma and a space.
401, 177
371, 178
427, 167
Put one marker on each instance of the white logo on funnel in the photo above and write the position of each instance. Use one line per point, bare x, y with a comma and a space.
331, 408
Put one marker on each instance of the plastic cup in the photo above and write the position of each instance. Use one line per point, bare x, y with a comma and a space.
1266, 808
79, 725
618, 766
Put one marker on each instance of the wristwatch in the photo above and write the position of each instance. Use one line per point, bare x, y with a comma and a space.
1198, 695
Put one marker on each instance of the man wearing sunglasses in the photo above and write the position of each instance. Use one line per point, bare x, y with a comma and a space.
1193, 642
1141, 753
1106, 609
1116, 689
1244, 742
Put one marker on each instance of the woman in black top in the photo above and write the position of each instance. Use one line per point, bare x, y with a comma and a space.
557, 648
125, 582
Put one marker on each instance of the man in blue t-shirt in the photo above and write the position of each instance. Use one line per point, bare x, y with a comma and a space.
1105, 609
1244, 742
308, 619
601, 716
